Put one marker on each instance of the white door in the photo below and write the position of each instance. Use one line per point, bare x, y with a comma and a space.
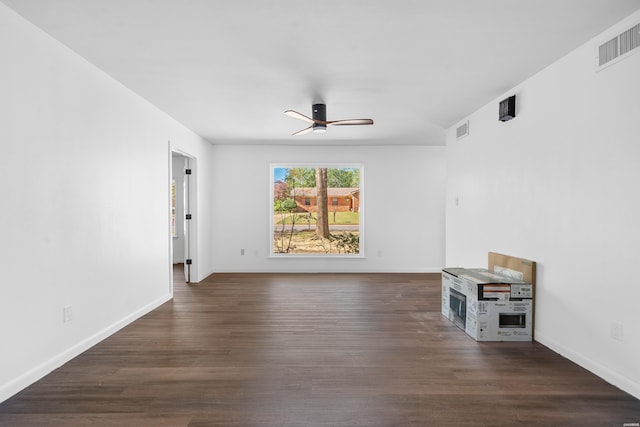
188, 217
182, 218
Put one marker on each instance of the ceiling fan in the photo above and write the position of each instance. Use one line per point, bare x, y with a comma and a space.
319, 121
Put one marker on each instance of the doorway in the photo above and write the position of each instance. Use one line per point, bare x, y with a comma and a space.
182, 227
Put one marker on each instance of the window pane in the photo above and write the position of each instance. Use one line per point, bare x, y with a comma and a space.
316, 210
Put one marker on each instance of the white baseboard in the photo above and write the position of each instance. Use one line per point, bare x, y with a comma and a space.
364, 271
612, 377
26, 379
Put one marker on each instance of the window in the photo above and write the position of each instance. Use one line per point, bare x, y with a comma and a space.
316, 210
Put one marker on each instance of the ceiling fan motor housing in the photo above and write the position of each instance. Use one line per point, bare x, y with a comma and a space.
319, 112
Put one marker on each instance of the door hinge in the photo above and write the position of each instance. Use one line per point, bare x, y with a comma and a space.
187, 171
188, 261
188, 216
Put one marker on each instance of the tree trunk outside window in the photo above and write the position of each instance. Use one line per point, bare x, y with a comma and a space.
322, 226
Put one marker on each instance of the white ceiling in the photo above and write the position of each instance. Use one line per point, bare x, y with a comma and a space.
229, 69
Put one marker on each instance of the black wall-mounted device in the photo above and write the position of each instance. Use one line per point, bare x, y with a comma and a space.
507, 109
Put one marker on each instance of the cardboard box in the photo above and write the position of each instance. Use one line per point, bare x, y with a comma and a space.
488, 306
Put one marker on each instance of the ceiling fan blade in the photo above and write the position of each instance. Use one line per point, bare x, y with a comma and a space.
303, 131
299, 116
350, 122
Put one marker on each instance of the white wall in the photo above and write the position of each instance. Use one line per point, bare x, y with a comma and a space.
559, 185
403, 213
85, 203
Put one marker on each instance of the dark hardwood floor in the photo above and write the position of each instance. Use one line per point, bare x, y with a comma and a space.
314, 350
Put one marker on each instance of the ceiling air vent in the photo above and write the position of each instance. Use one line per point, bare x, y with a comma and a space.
462, 130
619, 46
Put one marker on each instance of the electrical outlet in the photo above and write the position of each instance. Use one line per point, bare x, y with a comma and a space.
617, 331
241, 251
67, 313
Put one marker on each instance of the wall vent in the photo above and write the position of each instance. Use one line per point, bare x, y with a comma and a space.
608, 51
630, 39
462, 130
619, 46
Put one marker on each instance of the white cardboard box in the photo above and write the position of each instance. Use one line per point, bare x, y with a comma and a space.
488, 306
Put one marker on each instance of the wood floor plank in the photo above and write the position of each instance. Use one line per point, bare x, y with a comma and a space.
314, 350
